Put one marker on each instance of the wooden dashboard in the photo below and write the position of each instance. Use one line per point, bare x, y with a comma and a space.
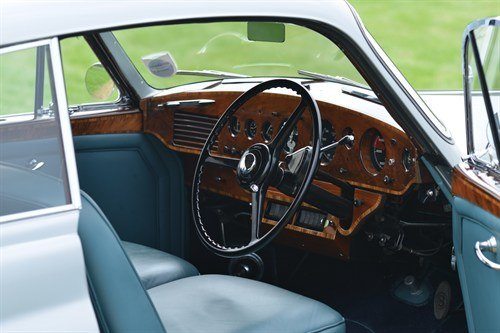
394, 172
183, 120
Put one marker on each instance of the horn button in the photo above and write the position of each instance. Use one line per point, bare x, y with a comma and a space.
254, 165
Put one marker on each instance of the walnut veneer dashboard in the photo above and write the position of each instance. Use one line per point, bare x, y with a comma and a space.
380, 165
382, 157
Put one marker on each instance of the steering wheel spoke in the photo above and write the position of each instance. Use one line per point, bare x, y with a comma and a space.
287, 128
258, 199
228, 162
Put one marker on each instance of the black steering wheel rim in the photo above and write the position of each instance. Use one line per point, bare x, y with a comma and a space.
257, 243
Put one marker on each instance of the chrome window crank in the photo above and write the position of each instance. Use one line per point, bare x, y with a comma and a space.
489, 245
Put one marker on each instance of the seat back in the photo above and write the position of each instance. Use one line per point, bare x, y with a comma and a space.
120, 301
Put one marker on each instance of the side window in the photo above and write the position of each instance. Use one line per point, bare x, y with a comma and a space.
18, 98
86, 79
483, 145
32, 162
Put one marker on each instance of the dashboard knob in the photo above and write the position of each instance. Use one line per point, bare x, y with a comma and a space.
388, 180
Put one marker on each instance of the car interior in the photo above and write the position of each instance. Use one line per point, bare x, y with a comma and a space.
266, 192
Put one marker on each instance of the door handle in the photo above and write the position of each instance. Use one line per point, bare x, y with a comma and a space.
33, 164
489, 245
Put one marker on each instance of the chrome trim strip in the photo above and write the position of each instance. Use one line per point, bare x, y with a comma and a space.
38, 213
20, 47
67, 136
132, 75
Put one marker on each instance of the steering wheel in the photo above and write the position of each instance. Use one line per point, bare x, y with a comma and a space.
259, 167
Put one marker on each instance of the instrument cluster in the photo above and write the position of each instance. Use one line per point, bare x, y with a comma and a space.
372, 152
267, 131
376, 154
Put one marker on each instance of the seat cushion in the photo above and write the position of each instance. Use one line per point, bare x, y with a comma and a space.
156, 267
226, 304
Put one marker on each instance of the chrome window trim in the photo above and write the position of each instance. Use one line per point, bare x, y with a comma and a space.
38, 213
65, 124
66, 134
20, 47
126, 66
468, 37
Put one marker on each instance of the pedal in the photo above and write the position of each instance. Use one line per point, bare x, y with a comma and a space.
412, 292
442, 300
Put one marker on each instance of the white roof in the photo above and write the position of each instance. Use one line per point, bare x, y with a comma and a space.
22, 20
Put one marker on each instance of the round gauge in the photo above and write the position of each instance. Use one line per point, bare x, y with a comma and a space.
378, 152
234, 126
267, 131
291, 142
250, 128
327, 137
373, 151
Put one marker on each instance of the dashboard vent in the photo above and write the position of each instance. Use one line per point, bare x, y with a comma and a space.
191, 130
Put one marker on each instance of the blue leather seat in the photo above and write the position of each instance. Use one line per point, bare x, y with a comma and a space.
206, 303
227, 304
209, 303
156, 267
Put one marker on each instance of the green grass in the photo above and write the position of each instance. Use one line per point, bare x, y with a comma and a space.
423, 38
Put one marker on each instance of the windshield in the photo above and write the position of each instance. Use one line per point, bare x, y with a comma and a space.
208, 51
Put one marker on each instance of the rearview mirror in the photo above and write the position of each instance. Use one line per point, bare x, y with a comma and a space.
266, 32
98, 82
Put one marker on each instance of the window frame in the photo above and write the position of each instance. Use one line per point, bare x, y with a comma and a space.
470, 40
126, 101
64, 126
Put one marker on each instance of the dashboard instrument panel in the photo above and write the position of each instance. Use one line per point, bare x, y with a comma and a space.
381, 158
380, 165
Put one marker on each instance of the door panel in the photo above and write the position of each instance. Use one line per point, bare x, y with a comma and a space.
474, 205
43, 286
41, 155
43, 282
138, 183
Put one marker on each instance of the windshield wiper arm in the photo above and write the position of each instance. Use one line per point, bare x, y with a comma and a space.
211, 73
330, 78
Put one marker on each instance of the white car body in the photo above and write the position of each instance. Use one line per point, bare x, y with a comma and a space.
42, 272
